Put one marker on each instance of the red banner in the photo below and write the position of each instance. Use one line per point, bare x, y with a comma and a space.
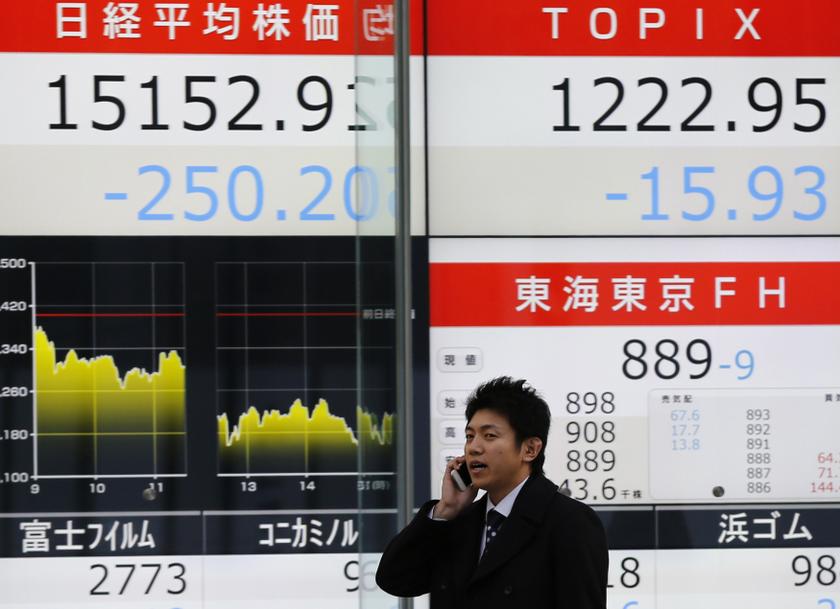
291, 27
634, 27
634, 293
456, 27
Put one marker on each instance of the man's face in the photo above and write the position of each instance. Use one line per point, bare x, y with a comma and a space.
497, 463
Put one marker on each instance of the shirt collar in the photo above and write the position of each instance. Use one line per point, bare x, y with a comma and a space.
506, 504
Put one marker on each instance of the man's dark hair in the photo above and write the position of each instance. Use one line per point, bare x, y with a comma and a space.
523, 407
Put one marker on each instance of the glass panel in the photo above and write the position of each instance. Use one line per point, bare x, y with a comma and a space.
393, 278
379, 355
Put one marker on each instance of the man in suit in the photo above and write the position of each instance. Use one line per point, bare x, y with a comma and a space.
523, 545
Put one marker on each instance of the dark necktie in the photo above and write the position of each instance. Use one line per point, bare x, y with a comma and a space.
494, 523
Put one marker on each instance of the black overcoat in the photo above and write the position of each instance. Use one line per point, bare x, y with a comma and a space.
551, 552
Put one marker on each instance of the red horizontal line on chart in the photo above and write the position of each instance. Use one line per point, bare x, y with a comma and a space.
109, 314
127, 305
293, 314
263, 305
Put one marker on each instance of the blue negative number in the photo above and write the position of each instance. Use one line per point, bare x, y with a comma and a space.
655, 214
306, 212
776, 194
827, 601
368, 193
146, 212
630, 604
745, 361
193, 188
258, 195
813, 190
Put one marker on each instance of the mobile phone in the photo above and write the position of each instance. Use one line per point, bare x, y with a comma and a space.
461, 476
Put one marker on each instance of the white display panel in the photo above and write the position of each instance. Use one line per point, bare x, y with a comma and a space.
329, 581
536, 89
749, 578
700, 421
238, 144
611, 381
632, 120
596, 190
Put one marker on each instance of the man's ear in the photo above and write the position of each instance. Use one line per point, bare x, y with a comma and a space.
531, 448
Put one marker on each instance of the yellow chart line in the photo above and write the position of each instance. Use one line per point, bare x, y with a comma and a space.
91, 398
289, 433
121, 391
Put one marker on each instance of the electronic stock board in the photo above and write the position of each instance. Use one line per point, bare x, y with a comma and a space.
195, 266
634, 206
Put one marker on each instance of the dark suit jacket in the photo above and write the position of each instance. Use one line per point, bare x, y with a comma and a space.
551, 552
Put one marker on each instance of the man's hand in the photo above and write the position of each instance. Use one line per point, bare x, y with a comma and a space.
453, 500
